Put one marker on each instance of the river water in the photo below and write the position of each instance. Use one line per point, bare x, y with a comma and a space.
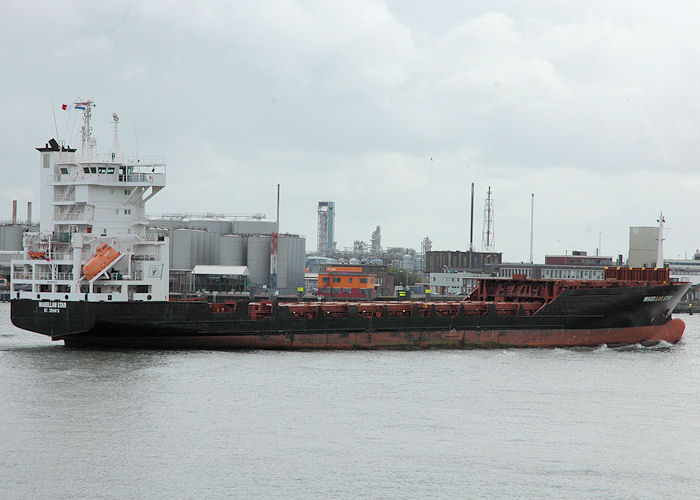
545, 423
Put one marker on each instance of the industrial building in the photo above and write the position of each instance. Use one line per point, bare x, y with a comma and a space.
576, 266
346, 282
383, 278
471, 261
237, 252
326, 229
578, 258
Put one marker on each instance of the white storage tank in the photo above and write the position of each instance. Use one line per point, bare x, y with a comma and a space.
180, 249
204, 247
232, 250
291, 259
197, 248
258, 259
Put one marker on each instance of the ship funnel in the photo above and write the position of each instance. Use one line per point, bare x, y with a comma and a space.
29, 213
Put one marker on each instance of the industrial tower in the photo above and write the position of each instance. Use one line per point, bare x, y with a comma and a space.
487, 242
426, 245
326, 228
377, 241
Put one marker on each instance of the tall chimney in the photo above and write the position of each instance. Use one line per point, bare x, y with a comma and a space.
14, 211
29, 213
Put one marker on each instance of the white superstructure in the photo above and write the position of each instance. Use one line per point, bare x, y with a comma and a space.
86, 201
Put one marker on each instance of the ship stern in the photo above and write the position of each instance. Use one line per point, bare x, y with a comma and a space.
54, 318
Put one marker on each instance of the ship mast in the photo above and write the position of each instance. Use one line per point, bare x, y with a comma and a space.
660, 250
115, 139
88, 141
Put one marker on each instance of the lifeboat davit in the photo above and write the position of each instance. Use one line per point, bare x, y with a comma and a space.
103, 257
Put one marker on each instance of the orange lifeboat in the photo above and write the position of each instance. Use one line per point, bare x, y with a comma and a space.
37, 255
102, 258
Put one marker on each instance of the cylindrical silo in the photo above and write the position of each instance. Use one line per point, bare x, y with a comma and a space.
194, 249
232, 250
290, 263
180, 249
203, 249
212, 246
284, 250
258, 259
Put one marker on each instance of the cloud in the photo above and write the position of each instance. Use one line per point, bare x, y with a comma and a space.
592, 107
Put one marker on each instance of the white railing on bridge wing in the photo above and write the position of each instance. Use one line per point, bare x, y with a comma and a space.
139, 177
130, 159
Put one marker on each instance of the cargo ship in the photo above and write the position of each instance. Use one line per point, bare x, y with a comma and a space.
94, 275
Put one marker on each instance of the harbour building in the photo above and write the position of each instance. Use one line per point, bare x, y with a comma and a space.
231, 253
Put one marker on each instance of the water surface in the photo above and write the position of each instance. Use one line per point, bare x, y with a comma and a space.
516, 423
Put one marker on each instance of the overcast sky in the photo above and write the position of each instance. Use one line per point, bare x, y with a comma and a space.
389, 108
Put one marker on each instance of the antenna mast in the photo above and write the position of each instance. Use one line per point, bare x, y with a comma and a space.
115, 140
487, 241
88, 142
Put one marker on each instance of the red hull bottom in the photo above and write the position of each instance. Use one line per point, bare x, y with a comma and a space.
670, 332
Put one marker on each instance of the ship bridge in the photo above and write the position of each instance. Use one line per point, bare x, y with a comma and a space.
90, 202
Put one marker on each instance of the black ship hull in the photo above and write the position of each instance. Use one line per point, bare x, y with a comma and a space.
591, 316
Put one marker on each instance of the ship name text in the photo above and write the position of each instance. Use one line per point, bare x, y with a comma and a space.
52, 307
657, 298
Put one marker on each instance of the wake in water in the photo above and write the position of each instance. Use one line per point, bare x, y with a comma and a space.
660, 345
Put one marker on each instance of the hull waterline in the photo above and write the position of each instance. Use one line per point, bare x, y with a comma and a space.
670, 332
